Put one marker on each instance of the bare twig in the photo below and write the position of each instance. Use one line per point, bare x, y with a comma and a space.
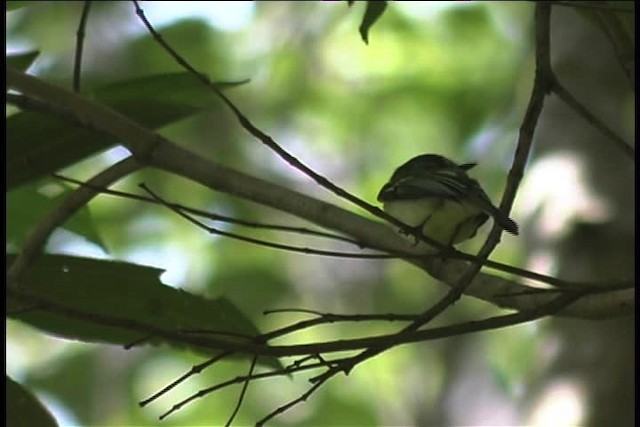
216, 216
261, 242
77, 65
290, 404
348, 363
274, 146
245, 385
296, 367
524, 144
333, 317
257, 348
196, 369
154, 150
594, 121
399, 254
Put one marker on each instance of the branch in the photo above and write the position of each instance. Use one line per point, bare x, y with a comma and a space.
594, 121
550, 305
214, 216
69, 206
77, 66
154, 150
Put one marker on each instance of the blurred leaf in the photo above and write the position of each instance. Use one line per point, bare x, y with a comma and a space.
22, 61
13, 5
39, 144
27, 205
182, 88
372, 13
514, 357
23, 409
123, 291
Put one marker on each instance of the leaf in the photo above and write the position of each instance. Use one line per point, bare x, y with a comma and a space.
26, 206
38, 144
14, 5
181, 88
372, 13
123, 291
23, 409
22, 61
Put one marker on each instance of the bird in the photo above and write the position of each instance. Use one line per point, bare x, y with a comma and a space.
436, 197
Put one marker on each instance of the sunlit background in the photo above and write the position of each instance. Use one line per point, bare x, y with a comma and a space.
445, 77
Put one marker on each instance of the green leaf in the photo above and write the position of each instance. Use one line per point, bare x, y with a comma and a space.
372, 13
22, 61
122, 291
23, 409
28, 204
38, 144
13, 5
180, 88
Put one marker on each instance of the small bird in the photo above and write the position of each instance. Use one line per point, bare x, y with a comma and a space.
436, 197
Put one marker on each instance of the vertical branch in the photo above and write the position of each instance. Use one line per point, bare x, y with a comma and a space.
77, 65
542, 84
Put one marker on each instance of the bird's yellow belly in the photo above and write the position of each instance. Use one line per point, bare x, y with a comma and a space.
445, 221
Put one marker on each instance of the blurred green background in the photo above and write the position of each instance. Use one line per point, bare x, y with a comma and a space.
446, 77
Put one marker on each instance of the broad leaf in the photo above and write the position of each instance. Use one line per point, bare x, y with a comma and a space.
181, 88
39, 144
14, 5
23, 409
122, 291
22, 61
372, 13
28, 204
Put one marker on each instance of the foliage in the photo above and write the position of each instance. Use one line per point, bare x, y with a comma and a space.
454, 81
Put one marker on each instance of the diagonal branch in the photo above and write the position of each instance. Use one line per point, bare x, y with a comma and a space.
151, 149
76, 200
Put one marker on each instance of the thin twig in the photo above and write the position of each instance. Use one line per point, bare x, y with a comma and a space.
61, 213
261, 242
159, 152
290, 404
332, 317
594, 121
196, 369
498, 322
524, 144
14, 291
274, 146
243, 392
553, 281
294, 368
216, 216
77, 65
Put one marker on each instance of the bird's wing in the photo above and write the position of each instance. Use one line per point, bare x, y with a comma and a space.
450, 184
442, 184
